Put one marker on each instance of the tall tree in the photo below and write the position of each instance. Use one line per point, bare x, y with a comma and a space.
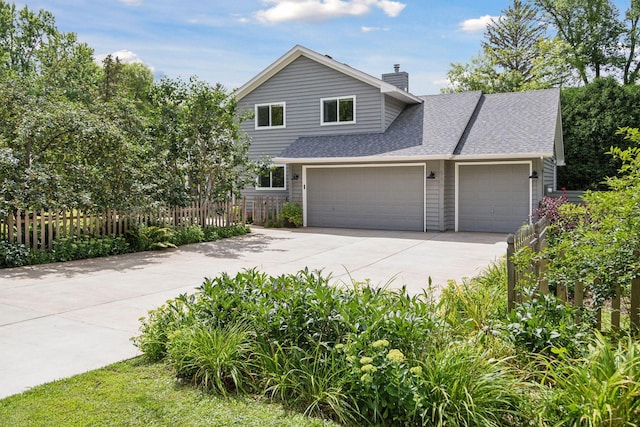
630, 46
515, 56
202, 151
592, 31
512, 42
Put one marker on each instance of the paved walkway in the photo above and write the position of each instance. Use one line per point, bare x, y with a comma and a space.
59, 320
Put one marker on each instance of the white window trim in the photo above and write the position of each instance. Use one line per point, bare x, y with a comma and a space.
269, 104
337, 123
271, 179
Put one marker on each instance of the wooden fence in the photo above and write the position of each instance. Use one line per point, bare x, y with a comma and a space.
265, 208
38, 229
535, 237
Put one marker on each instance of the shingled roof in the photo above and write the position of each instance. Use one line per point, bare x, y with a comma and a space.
447, 126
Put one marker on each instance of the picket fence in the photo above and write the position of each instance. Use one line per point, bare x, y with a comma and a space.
265, 208
535, 237
39, 229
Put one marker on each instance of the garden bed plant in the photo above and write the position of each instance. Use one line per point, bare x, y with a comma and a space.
141, 238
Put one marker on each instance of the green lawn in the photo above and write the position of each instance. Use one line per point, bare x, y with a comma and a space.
136, 393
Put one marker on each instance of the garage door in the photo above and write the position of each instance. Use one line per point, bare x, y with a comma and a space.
493, 198
386, 198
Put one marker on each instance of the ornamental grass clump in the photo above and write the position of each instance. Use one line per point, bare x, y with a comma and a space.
601, 389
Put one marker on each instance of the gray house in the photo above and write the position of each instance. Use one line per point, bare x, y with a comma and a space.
362, 152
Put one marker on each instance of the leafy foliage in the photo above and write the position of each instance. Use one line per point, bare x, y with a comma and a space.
292, 212
144, 237
546, 325
600, 389
516, 56
356, 354
601, 248
13, 254
591, 115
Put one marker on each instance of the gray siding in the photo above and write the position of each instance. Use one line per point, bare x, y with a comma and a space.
392, 107
295, 190
449, 196
435, 196
549, 175
301, 85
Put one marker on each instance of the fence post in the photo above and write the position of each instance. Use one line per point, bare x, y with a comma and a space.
634, 315
615, 309
511, 274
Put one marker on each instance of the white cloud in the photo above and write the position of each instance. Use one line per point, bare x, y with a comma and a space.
477, 24
369, 29
315, 10
126, 57
131, 2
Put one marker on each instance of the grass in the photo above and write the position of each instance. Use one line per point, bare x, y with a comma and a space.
136, 393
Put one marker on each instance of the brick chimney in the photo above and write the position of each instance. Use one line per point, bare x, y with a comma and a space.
397, 78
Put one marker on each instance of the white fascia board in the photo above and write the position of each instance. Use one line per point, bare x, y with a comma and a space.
367, 159
298, 51
501, 156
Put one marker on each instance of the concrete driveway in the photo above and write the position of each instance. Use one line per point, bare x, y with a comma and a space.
59, 320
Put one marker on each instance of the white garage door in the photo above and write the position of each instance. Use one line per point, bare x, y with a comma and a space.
385, 198
493, 198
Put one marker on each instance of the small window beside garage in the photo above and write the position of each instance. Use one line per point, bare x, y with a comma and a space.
273, 179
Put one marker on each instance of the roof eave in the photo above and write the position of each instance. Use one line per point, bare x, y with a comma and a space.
361, 159
511, 156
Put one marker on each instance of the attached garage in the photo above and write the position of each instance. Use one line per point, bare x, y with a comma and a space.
493, 197
372, 197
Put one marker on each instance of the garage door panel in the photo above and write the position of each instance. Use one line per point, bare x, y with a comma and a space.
366, 197
493, 197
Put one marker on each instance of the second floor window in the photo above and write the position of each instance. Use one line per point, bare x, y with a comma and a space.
270, 115
338, 110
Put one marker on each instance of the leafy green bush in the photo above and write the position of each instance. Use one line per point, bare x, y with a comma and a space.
547, 325
188, 234
144, 238
309, 339
292, 213
73, 247
13, 254
601, 389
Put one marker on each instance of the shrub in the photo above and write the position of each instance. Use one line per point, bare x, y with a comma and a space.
455, 385
188, 234
144, 238
547, 325
13, 254
292, 213
74, 247
601, 389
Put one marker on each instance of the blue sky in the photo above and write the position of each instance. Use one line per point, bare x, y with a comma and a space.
230, 41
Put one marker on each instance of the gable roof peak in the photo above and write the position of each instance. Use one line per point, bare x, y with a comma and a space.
326, 60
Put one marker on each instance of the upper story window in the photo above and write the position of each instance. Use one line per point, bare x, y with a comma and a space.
272, 179
338, 110
270, 115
